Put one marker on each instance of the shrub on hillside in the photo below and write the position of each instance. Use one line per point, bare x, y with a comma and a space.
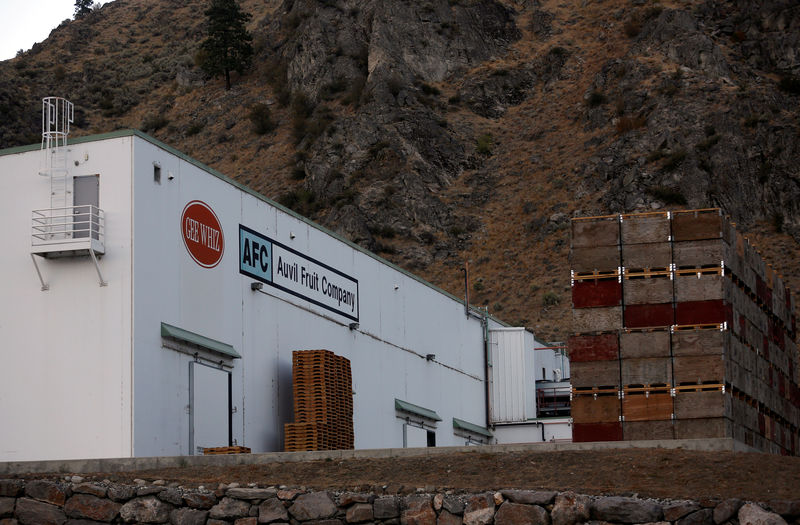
261, 118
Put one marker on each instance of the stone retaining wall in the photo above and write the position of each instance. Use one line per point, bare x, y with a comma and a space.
76, 501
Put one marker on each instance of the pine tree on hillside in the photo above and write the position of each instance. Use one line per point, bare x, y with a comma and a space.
228, 46
83, 8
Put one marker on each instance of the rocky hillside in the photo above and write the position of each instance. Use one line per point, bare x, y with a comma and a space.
435, 132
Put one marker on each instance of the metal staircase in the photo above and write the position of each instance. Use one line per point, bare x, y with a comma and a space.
63, 230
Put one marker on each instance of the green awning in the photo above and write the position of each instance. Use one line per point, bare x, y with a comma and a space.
459, 424
206, 343
411, 408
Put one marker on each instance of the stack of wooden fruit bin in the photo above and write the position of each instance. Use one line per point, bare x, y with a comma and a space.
681, 331
323, 402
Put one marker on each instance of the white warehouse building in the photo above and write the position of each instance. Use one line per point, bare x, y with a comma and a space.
150, 306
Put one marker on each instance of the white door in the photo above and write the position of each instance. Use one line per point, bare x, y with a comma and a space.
416, 437
210, 408
85, 195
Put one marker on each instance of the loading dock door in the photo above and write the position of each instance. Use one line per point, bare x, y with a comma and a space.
210, 411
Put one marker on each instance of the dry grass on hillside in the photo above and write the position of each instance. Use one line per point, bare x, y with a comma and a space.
519, 258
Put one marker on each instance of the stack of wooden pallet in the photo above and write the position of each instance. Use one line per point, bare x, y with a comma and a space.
323, 402
682, 331
215, 451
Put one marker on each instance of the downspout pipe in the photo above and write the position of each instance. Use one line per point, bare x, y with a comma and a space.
483, 317
487, 366
465, 269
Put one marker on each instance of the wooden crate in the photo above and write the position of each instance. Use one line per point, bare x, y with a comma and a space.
702, 340
733, 261
646, 371
717, 427
594, 374
646, 227
695, 225
603, 319
642, 256
592, 258
595, 231
698, 369
695, 254
700, 312
647, 430
699, 405
599, 347
595, 409
591, 432
638, 343
647, 406
648, 315
647, 290
700, 287
598, 292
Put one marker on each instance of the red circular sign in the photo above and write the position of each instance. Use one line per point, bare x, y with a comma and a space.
202, 234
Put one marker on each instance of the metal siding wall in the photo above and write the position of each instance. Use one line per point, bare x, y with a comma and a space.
72, 342
398, 327
508, 375
529, 379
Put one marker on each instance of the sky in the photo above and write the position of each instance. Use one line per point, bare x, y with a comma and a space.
24, 23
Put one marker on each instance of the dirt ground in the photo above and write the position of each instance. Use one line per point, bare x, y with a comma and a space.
658, 473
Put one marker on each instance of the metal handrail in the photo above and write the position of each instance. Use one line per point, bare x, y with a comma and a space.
67, 224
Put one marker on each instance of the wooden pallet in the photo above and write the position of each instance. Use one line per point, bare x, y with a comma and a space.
699, 387
595, 391
657, 388
316, 436
323, 402
596, 275
212, 451
699, 272
646, 272
695, 327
